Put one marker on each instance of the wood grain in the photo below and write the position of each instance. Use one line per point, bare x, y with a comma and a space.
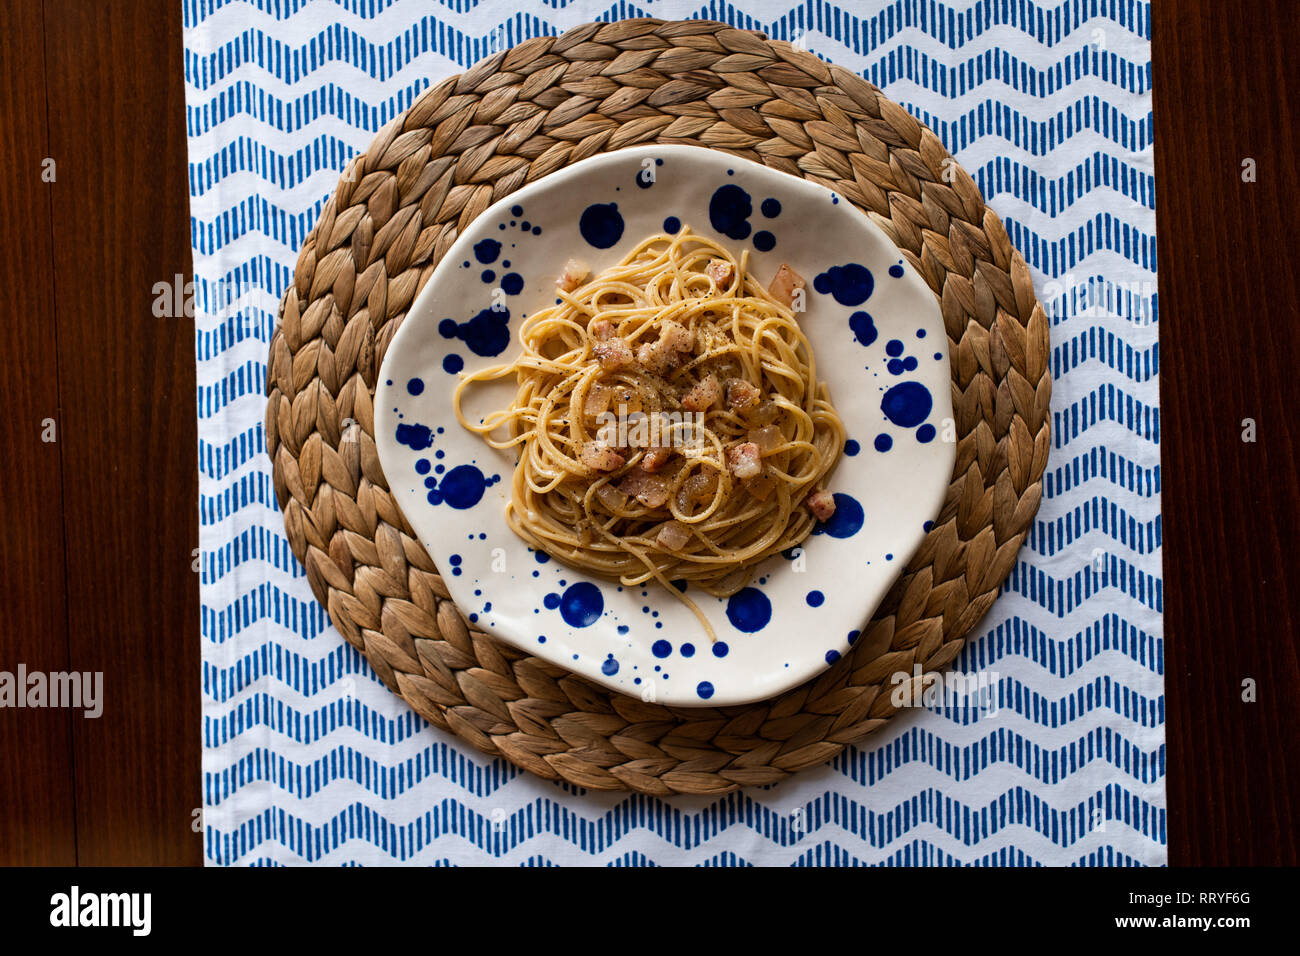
1230, 344
37, 816
127, 386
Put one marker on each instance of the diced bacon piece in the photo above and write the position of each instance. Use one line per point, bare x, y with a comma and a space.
600, 457
601, 329
676, 338
696, 489
597, 401
673, 536
651, 490
611, 497
768, 439
613, 353
742, 395
702, 394
652, 357
764, 414
760, 487
822, 504
744, 461
784, 285
656, 458
720, 271
572, 275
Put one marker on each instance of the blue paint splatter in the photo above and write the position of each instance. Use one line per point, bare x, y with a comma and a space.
688, 650
847, 520
908, 404
764, 241
422, 466
516, 210
720, 649
920, 333
418, 437
851, 448
672, 225
661, 649
815, 599
487, 275
896, 366
462, 487
487, 334
771, 208
541, 557
581, 604
610, 667
850, 284
883, 442
864, 329
601, 225
551, 601
415, 386
853, 636
451, 364
512, 283
894, 347
729, 211
896, 271
487, 250
704, 689
749, 610
832, 657
925, 434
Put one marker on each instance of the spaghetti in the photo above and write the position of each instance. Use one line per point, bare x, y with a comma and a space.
669, 422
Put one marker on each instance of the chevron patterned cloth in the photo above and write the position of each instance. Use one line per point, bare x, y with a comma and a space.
309, 759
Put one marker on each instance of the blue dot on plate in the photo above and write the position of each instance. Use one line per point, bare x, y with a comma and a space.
415, 386
851, 448
451, 364
764, 241
749, 610
720, 649
925, 434
894, 347
896, 271
672, 225
815, 599
832, 657
661, 649
704, 689
422, 466
688, 650
896, 366
582, 604
610, 667
883, 442
771, 208
516, 210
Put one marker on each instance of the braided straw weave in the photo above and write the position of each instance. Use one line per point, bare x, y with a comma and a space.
518, 116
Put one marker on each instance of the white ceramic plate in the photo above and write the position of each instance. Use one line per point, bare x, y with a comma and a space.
879, 343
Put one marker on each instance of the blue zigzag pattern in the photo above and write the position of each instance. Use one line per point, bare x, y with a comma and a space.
279, 100
244, 98
1058, 657
965, 824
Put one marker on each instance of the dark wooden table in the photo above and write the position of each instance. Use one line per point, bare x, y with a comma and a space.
100, 525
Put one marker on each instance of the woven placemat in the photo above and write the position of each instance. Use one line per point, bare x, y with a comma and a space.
513, 118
